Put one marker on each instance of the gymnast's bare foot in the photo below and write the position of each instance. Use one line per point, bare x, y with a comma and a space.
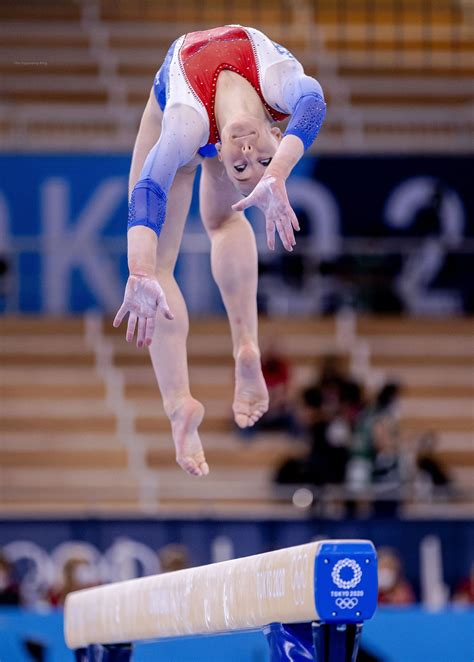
251, 394
185, 420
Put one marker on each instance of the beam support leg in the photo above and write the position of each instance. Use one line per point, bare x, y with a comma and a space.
109, 653
320, 642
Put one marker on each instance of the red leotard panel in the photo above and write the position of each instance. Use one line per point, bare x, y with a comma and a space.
203, 55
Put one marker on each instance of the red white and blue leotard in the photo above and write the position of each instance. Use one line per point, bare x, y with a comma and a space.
201, 56
185, 88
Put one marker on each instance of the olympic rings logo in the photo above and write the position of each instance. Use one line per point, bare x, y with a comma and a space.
347, 603
299, 571
350, 583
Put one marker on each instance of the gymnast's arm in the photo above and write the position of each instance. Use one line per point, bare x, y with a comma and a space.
302, 97
182, 133
181, 136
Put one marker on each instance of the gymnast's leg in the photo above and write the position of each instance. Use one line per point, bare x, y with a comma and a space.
168, 349
235, 270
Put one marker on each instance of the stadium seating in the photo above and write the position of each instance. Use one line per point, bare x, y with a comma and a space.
398, 75
82, 426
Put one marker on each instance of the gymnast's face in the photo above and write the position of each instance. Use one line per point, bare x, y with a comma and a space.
246, 149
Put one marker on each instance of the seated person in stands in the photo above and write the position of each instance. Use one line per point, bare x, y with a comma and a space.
430, 469
9, 591
326, 460
174, 557
77, 574
363, 451
394, 589
213, 103
464, 591
277, 375
389, 467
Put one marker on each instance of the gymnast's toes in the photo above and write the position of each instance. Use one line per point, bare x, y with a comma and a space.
192, 466
245, 420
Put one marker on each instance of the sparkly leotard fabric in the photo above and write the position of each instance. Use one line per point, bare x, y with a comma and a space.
203, 55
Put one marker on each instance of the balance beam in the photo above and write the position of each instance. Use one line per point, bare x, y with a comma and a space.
326, 582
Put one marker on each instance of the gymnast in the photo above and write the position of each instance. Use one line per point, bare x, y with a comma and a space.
213, 103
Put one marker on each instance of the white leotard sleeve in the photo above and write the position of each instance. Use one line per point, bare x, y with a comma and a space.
286, 83
182, 134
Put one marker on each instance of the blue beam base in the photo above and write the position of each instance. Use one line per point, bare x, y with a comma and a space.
320, 642
109, 653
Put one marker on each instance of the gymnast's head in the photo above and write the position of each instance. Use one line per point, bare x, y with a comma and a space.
246, 149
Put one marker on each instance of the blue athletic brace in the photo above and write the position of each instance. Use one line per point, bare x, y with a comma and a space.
307, 118
147, 205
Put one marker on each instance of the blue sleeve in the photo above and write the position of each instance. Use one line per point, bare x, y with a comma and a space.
307, 118
175, 147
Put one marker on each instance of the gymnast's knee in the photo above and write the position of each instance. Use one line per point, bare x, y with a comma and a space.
217, 224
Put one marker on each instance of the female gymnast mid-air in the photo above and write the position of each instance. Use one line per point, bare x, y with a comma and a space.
212, 103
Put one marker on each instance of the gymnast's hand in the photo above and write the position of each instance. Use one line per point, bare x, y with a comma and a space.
271, 198
143, 296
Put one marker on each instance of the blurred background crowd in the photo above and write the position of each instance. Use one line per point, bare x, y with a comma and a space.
79, 572
354, 439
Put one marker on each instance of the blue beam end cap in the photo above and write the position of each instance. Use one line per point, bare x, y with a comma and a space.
345, 579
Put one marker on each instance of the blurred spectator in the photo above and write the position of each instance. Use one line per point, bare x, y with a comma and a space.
174, 557
331, 383
326, 461
276, 371
388, 470
394, 589
329, 438
341, 395
78, 573
428, 464
364, 451
385, 404
386, 456
464, 592
351, 402
9, 590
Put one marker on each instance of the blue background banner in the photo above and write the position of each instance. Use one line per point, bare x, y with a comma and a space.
246, 538
63, 222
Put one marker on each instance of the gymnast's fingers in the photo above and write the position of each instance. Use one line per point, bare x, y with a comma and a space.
241, 205
290, 235
163, 306
294, 220
270, 226
283, 237
132, 322
122, 311
141, 331
245, 203
150, 330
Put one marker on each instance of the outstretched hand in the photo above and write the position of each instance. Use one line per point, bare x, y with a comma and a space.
143, 297
271, 198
